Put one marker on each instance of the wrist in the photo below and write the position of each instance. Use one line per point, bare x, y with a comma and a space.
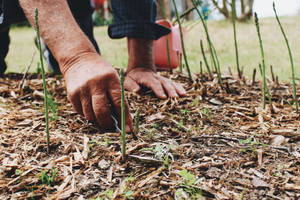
77, 61
140, 54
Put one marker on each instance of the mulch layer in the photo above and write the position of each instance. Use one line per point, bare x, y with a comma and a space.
213, 144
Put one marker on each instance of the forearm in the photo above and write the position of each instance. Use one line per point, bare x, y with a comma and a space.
140, 53
59, 30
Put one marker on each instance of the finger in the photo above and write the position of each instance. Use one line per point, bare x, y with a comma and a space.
115, 96
169, 87
179, 89
102, 111
154, 84
131, 85
75, 100
87, 108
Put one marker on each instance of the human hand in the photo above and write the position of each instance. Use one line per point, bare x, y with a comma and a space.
92, 85
161, 86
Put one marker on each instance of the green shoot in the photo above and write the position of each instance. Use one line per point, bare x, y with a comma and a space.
165, 23
182, 42
205, 59
201, 69
123, 115
235, 40
264, 87
291, 57
211, 48
44, 80
218, 70
180, 61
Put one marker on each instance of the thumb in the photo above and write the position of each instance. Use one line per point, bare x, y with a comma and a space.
131, 85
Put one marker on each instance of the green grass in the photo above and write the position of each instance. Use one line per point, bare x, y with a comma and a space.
115, 51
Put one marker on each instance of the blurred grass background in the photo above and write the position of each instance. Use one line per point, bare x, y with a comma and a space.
22, 46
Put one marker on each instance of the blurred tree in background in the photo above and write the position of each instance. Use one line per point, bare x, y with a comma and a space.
245, 7
169, 12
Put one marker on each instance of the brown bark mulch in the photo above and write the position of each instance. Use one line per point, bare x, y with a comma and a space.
213, 144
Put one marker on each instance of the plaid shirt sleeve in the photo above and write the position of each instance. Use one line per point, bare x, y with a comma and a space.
135, 18
15, 15
1, 11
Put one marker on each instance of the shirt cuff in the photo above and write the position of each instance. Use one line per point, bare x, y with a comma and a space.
137, 29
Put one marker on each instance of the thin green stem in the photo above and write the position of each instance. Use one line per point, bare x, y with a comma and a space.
201, 69
123, 115
180, 61
218, 66
44, 80
166, 25
235, 38
264, 87
183, 14
205, 59
182, 42
291, 57
212, 52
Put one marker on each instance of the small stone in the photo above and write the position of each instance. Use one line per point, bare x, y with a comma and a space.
278, 140
103, 164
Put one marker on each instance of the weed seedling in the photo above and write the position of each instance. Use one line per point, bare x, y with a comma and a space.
189, 184
291, 56
18, 172
47, 177
127, 194
108, 194
184, 112
182, 42
180, 124
251, 142
44, 80
123, 115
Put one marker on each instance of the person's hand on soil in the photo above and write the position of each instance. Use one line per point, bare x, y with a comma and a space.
161, 86
93, 87
141, 71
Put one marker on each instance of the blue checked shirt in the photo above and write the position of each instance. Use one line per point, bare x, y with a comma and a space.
132, 18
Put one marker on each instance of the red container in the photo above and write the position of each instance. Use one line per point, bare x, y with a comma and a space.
175, 48
99, 3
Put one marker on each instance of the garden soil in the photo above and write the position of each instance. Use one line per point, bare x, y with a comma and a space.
213, 144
